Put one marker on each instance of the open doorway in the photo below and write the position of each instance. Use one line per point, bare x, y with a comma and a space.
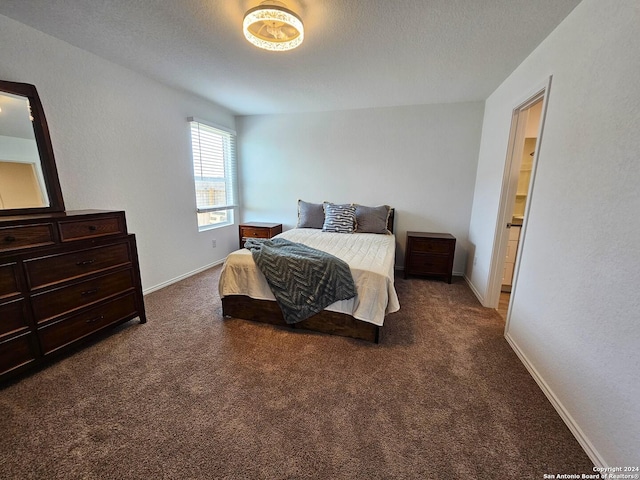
517, 188
530, 117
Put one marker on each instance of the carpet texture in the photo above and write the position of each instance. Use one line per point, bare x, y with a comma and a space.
191, 395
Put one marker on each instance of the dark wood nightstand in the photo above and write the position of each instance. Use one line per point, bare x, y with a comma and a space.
258, 230
429, 254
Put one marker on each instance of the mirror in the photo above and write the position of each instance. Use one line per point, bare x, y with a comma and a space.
28, 175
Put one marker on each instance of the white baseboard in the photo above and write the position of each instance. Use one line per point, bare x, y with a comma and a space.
149, 290
575, 429
474, 290
400, 268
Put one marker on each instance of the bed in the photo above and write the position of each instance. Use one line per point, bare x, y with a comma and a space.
246, 295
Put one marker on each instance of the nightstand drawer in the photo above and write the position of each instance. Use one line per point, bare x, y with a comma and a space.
249, 232
258, 230
429, 265
75, 230
13, 238
430, 245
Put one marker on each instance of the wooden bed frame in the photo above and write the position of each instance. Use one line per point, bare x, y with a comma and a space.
334, 323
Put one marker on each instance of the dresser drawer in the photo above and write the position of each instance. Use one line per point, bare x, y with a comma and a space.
16, 352
64, 332
24, 236
78, 229
13, 317
8, 280
72, 297
430, 245
55, 268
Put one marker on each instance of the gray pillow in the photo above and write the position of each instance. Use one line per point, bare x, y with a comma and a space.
372, 219
339, 218
310, 215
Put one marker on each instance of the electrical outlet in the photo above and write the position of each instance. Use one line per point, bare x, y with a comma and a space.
213, 243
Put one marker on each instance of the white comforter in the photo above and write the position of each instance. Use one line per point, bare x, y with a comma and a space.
370, 257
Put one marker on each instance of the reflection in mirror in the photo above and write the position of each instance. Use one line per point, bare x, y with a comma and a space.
22, 182
28, 175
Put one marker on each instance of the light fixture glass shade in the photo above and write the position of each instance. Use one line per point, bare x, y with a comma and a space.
273, 27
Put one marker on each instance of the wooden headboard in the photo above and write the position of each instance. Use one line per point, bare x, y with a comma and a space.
392, 212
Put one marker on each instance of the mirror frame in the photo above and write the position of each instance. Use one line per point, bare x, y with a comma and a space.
45, 149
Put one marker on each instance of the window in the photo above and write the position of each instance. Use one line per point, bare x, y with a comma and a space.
214, 171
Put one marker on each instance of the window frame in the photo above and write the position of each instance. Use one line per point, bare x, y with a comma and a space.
230, 172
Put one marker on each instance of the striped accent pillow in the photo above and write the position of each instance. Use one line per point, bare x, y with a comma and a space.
339, 218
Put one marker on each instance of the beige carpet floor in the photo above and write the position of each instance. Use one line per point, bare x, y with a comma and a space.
191, 395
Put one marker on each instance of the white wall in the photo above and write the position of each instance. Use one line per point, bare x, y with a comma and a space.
122, 142
576, 305
419, 159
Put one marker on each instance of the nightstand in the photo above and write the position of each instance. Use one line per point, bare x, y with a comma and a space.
258, 230
429, 254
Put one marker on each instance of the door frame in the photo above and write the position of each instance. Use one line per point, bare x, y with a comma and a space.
507, 196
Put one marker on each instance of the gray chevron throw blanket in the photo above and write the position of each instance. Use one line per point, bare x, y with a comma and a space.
303, 280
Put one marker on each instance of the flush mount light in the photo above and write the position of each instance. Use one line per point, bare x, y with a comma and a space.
272, 26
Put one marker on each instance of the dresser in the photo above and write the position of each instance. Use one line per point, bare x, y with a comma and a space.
258, 230
429, 254
64, 278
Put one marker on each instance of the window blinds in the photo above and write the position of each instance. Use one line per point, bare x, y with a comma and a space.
214, 167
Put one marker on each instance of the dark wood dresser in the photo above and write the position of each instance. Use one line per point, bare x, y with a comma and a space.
258, 230
429, 254
64, 277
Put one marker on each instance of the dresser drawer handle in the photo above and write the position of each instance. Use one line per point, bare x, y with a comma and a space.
92, 228
9, 238
96, 319
90, 292
85, 262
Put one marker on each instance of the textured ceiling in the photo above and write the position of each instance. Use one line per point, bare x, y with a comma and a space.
356, 53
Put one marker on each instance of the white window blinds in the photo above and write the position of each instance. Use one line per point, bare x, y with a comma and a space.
214, 171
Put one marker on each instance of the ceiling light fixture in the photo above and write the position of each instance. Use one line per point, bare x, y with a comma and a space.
272, 26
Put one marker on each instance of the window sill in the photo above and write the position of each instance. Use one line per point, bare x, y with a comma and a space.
214, 227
